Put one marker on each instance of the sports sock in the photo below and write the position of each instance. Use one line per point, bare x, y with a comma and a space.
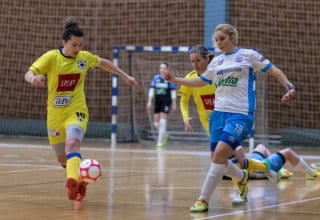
73, 163
303, 166
213, 178
162, 129
233, 171
256, 165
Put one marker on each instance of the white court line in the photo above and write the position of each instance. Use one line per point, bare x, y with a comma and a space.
147, 151
260, 208
40, 167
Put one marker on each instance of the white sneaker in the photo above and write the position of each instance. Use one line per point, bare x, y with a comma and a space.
238, 200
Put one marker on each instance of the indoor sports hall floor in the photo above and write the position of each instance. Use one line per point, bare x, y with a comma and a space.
140, 182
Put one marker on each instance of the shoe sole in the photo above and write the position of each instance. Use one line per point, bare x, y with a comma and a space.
199, 211
81, 195
72, 187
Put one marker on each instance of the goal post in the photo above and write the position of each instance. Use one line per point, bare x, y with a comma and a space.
132, 126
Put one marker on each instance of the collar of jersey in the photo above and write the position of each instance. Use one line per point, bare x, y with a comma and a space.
60, 50
236, 50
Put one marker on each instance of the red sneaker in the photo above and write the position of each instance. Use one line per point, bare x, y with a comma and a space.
72, 188
82, 190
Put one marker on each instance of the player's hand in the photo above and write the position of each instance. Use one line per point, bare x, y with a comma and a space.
187, 125
132, 82
287, 99
168, 75
38, 81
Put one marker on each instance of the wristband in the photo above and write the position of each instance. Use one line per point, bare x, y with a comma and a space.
289, 86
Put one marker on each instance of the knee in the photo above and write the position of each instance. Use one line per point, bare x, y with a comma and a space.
72, 145
218, 160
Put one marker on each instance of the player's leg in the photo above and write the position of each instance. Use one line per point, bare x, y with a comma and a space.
222, 148
164, 112
299, 164
60, 152
74, 159
253, 164
263, 150
156, 118
76, 127
162, 129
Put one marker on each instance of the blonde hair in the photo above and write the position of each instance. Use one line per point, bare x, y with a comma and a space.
230, 30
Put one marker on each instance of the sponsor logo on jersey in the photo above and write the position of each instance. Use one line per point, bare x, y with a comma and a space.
239, 59
67, 82
220, 61
208, 101
162, 85
229, 81
82, 64
61, 101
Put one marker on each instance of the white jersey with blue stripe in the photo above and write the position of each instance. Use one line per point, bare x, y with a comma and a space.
234, 75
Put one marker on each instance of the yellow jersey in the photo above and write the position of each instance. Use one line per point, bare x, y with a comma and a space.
203, 98
65, 79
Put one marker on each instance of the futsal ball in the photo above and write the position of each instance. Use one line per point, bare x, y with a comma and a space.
90, 170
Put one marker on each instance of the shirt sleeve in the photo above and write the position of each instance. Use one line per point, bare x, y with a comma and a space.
93, 60
184, 93
209, 75
42, 65
259, 62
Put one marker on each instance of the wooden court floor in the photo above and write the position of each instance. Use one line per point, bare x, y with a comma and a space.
140, 182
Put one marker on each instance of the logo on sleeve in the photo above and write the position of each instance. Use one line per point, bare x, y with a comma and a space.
262, 59
67, 82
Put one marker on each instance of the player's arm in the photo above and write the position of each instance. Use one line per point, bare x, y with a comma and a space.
108, 66
185, 94
283, 80
35, 80
193, 82
150, 97
173, 94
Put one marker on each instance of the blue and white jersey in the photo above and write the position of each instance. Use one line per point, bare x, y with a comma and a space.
234, 75
161, 86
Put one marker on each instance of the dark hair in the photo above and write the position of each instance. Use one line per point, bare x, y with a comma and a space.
71, 28
165, 63
203, 51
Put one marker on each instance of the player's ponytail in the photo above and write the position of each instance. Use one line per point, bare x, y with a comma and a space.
71, 28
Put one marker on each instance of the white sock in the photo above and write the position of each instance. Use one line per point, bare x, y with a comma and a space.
162, 129
233, 171
213, 178
303, 166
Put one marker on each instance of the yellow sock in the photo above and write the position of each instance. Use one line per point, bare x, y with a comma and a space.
234, 160
256, 165
73, 163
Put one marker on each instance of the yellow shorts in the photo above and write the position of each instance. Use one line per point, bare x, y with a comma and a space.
204, 119
58, 122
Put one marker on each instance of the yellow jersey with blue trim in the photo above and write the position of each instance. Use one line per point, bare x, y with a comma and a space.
203, 98
65, 78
